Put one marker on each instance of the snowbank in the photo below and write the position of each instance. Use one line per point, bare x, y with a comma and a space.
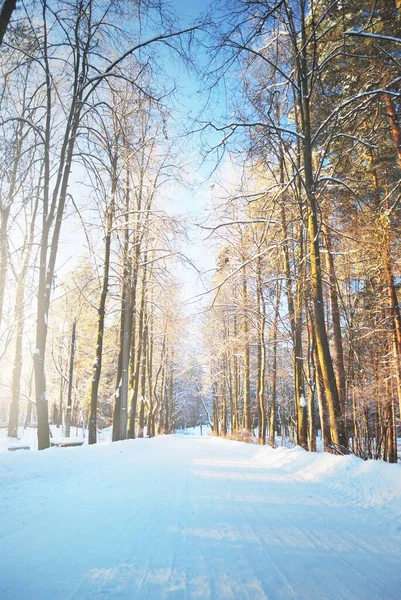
353, 480
29, 437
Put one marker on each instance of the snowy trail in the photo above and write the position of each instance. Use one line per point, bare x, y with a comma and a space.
200, 518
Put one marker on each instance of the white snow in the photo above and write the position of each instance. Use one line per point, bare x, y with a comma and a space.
187, 517
29, 436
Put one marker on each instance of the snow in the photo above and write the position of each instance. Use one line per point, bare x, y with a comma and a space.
29, 436
190, 517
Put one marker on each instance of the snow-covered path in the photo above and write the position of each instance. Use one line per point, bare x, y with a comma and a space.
200, 518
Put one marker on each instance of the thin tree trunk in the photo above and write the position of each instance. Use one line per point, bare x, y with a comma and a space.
311, 393
70, 379
261, 355
216, 423
5, 213
295, 316
97, 365
20, 321
245, 334
151, 416
236, 379
136, 364
272, 419
141, 423
223, 387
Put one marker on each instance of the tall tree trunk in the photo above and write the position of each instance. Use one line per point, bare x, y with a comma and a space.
151, 416
223, 387
5, 214
5, 211
97, 364
324, 428
339, 441
6, 11
70, 380
261, 354
295, 316
311, 393
216, 419
338, 352
394, 308
272, 419
136, 359
52, 213
245, 334
390, 422
141, 423
394, 125
235, 425
20, 321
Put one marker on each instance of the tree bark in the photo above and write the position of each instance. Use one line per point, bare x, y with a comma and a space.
97, 365
261, 355
338, 351
70, 379
7, 9
20, 321
245, 334
272, 419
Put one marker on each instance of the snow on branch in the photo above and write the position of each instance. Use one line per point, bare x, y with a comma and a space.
376, 36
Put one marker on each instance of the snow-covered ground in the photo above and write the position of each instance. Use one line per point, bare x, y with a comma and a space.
186, 517
29, 437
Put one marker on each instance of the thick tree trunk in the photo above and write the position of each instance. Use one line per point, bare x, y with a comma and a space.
6, 11
394, 125
394, 308
325, 429
391, 447
324, 359
338, 351
46, 275
337, 433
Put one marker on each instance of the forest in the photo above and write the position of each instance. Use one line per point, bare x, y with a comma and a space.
282, 120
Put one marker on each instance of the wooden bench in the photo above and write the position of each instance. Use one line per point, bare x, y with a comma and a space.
66, 443
20, 447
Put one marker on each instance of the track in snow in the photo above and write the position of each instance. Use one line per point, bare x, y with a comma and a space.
184, 518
